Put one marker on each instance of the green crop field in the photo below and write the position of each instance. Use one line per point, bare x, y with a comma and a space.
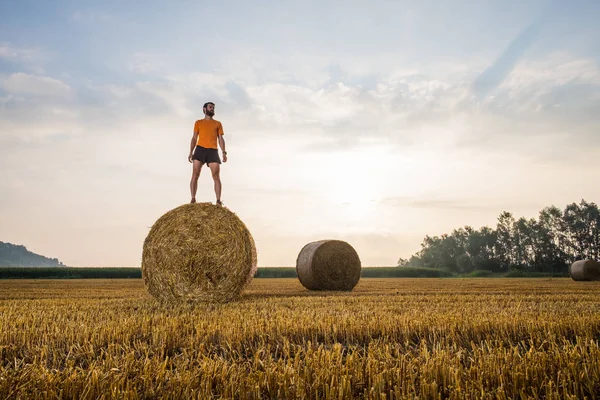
389, 338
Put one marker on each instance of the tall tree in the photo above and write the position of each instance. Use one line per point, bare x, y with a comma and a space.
505, 240
581, 226
553, 240
523, 232
548, 244
481, 248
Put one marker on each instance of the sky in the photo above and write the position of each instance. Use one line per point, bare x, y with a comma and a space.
373, 122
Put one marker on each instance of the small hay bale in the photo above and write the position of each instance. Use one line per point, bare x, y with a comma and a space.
198, 253
328, 265
585, 270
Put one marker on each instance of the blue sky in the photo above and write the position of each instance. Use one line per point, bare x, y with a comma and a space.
376, 123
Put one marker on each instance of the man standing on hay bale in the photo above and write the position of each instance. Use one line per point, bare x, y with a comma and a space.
204, 150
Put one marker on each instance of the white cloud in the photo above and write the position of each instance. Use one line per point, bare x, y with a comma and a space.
33, 84
555, 69
403, 107
173, 95
557, 81
20, 54
126, 140
39, 123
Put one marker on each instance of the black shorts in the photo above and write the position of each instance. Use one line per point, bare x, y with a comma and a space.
206, 156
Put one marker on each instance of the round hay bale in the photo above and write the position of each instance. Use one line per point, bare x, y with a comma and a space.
328, 265
585, 270
198, 253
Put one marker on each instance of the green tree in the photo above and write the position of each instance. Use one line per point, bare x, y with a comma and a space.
504, 248
551, 240
481, 247
581, 223
548, 244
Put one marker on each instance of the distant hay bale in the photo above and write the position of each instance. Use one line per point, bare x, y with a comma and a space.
198, 253
328, 265
585, 270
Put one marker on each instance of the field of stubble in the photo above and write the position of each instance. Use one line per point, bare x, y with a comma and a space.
389, 338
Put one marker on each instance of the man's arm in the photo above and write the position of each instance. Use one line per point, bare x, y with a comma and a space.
193, 145
222, 144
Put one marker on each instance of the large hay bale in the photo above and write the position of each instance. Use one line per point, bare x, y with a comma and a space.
328, 265
198, 252
585, 270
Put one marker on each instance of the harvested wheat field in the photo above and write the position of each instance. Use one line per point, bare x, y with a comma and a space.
387, 339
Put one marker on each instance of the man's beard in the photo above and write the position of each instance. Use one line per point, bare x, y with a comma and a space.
210, 113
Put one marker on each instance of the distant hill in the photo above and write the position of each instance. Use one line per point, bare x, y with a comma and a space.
12, 255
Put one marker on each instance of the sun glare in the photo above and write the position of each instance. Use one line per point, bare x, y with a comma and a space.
351, 189
353, 194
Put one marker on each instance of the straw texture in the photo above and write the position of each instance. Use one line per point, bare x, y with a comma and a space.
198, 253
328, 265
585, 270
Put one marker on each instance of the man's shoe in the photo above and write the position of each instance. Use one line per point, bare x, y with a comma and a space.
219, 203
193, 201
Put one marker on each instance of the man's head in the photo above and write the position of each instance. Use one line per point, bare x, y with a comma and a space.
209, 109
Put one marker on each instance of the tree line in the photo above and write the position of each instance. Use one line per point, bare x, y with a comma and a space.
549, 243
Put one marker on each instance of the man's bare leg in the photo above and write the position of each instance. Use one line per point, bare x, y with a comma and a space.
197, 166
215, 168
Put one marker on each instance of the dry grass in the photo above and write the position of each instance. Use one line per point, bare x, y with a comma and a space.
198, 252
585, 270
328, 265
389, 338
